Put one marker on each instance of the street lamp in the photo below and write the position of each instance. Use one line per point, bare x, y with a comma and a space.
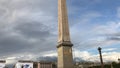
99, 49
119, 60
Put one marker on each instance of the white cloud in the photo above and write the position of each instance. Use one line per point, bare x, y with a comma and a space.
109, 49
111, 56
49, 53
10, 58
11, 61
109, 28
52, 54
107, 56
84, 55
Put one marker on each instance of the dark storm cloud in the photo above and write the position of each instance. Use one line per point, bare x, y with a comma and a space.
114, 37
25, 37
25, 26
12, 45
33, 29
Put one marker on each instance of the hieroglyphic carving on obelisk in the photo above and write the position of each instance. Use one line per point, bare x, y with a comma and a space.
65, 58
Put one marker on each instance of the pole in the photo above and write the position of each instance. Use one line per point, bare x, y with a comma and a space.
119, 60
99, 49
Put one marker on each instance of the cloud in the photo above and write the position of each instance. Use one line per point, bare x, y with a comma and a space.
84, 55
89, 16
99, 35
50, 53
109, 49
118, 12
111, 56
25, 25
107, 56
109, 28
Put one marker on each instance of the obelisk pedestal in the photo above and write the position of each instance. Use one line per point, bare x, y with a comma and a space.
65, 58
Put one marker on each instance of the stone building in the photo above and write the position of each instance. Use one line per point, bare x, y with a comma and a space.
31, 64
44, 65
83, 64
24, 64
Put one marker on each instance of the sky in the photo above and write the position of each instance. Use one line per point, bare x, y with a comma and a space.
28, 28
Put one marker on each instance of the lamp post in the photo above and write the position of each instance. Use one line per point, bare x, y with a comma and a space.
119, 60
99, 49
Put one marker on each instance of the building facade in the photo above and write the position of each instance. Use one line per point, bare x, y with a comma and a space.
44, 65
24, 64
31, 64
2, 63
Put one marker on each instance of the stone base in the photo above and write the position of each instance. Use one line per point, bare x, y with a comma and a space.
65, 58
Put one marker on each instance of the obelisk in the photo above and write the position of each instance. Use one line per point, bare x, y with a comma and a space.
65, 58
